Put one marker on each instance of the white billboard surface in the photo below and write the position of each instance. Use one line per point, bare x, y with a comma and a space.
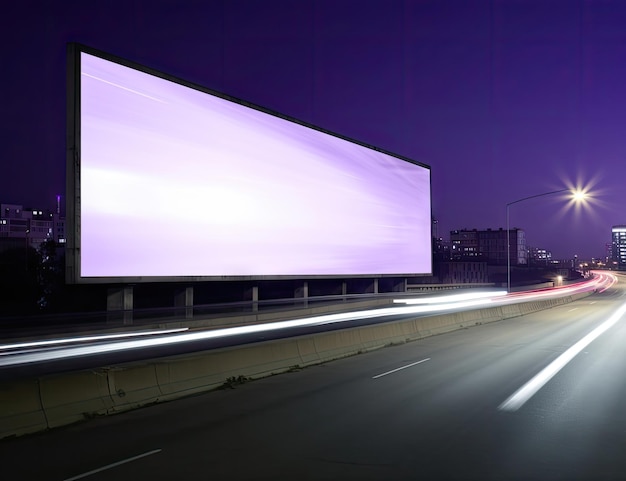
178, 182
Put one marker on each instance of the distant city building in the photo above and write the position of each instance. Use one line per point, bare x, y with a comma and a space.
29, 227
608, 253
619, 246
463, 272
489, 246
441, 249
464, 245
539, 256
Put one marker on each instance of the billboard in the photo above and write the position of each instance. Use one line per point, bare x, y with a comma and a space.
171, 181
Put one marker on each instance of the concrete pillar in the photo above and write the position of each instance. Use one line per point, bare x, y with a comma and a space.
372, 288
302, 292
183, 299
252, 295
400, 285
120, 304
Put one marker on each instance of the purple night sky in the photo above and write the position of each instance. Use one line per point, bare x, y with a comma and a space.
503, 99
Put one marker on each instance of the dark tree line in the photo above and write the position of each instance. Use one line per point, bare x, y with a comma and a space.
32, 281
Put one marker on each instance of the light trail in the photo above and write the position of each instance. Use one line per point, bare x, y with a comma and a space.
451, 298
50, 354
71, 352
528, 390
101, 337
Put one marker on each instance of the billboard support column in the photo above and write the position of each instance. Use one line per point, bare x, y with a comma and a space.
184, 299
120, 304
252, 295
302, 292
372, 288
400, 285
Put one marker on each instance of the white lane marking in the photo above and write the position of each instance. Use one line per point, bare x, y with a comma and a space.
573, 309
109, 466
528, 390
400, 368
593, 302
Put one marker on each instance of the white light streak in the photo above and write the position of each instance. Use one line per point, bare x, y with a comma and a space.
161, 338
101, 337
71, 352
451, 298
528, 390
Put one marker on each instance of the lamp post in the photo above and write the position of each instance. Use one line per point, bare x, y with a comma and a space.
26, 246
508, 230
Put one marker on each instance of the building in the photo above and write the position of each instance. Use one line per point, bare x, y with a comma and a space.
464, 245
463, 272
29, 227
608, 253
539, 257
489, 246
619, 247
441, 250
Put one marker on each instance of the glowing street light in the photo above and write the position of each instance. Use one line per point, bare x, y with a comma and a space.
577, 196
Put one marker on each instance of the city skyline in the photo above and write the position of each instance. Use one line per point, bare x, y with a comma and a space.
503, 100
530, 250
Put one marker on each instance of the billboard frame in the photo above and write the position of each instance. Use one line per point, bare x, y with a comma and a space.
73, 177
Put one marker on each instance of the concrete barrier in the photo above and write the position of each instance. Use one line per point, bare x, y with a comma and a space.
21, 411
36, 404
189, 375
306, 350
75, 396
132, 386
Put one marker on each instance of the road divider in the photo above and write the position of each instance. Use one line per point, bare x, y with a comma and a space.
75, 396
21, 411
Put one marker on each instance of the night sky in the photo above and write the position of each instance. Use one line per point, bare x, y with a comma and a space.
503, 99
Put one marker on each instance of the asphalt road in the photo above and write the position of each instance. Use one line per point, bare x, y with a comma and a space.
427, 410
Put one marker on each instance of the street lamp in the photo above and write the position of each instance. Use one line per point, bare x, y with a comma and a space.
577, 196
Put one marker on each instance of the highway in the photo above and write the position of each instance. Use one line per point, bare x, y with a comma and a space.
538, 397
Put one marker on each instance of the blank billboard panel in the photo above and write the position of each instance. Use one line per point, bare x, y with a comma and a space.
171, 181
